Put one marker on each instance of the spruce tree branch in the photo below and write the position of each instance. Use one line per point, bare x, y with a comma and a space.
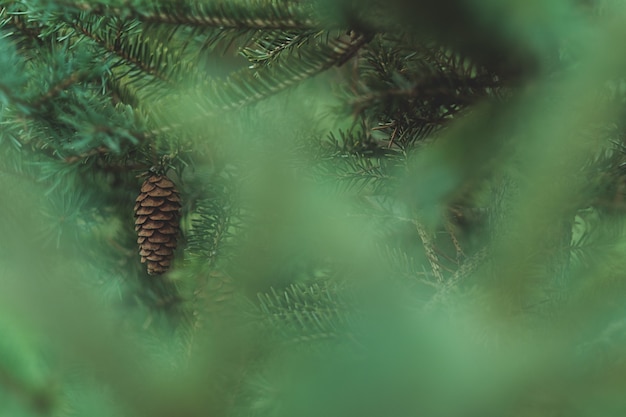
226, 15
430, 251
308, 312
40, 146
268, 49
251, 85
118, 50
435, 86
16, 21
12, 97
467, 268
26, 106
33, 110
18, 171
272, 81
253, 15
74, 78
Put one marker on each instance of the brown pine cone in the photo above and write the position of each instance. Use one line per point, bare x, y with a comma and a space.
157, 212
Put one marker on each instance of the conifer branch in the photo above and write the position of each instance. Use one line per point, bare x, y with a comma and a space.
256, 15
269, 47
72, 79
248, 86
136, 52
252, 15
251, 85
430, 252
29, 32
35, 110
467, 268
10, 95
308, 312
210, 230
457, 90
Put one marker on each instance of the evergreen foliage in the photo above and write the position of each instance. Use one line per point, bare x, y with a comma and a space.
398, 208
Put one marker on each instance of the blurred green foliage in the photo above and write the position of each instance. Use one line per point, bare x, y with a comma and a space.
398, 208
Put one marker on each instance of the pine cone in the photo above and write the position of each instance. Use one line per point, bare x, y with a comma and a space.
157, 223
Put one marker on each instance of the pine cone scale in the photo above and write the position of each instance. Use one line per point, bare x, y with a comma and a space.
164, 251
170, 206
143, 211
162, 216
150, 246
160, 192
159, 238
164, 183
157, 222
152, 202
150, 224
147, 187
